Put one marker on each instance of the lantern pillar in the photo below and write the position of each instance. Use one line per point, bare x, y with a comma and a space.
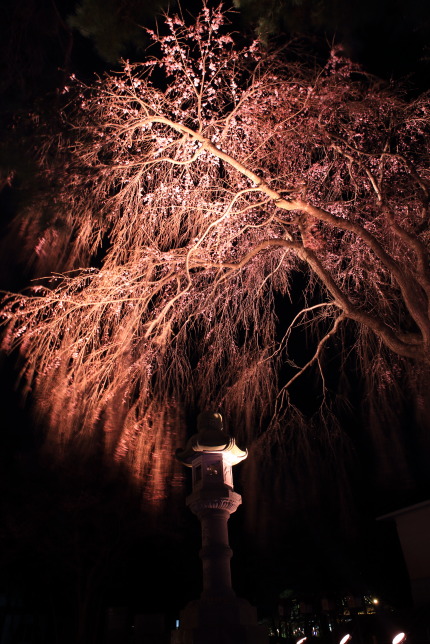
218, 616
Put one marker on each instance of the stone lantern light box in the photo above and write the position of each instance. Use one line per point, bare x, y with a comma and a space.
212, 469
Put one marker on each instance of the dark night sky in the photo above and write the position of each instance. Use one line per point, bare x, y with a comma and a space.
52, 510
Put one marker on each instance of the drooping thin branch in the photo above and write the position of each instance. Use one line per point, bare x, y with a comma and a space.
302, 313
315, 358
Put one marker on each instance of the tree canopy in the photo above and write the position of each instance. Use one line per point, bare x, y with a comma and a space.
206, 210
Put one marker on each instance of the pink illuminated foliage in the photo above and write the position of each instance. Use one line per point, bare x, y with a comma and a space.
184, 198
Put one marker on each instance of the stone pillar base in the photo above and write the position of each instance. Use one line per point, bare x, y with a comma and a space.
222, 621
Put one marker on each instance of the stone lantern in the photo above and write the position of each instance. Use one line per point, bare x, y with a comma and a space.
218, 616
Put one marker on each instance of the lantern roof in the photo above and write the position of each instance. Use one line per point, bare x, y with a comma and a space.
210, 437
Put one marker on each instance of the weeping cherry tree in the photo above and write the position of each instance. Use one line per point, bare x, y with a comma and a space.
186, 198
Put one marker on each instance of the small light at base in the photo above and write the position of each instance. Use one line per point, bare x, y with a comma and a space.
375, 601
400, 637
300, 641
345, 639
